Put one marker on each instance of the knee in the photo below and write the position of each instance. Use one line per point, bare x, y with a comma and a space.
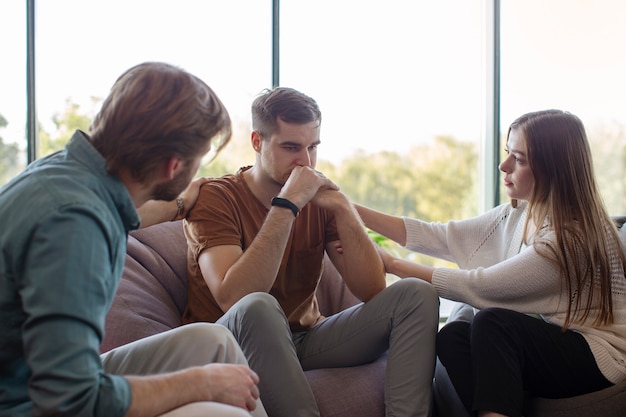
256, 313
490, 318
204, 334
258, 305
450, 337
417, 291
414, 299
197, 344
498, 323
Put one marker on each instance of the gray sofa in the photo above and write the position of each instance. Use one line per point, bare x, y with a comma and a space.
153, 293
610, 402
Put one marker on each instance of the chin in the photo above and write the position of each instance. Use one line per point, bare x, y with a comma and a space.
512, 195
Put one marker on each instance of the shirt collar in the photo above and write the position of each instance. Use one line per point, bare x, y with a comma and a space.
80, 148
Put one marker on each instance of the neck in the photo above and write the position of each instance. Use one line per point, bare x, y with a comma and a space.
139, 193
262, 186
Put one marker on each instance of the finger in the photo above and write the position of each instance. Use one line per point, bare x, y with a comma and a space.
331, 184
255, 392
250, 404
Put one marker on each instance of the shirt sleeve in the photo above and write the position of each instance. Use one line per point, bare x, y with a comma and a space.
68, 284
216, 218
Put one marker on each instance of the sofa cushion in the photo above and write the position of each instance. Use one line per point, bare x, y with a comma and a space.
336, 385
153, 290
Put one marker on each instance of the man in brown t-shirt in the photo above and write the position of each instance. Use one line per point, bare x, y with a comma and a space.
257, 241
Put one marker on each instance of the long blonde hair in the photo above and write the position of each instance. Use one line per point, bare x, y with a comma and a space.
566, 199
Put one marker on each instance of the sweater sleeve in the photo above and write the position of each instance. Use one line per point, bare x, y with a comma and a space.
477, 241
527, 282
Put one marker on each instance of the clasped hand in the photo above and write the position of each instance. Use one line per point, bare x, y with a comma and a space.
306, 184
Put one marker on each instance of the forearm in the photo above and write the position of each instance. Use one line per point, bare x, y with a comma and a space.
405, 269
387, 225
260, 260
155, 211
226, 383
155, 395
361, 266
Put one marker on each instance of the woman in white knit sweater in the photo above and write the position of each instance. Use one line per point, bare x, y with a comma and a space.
553, 252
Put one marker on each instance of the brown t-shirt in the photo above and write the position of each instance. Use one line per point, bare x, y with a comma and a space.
228, 213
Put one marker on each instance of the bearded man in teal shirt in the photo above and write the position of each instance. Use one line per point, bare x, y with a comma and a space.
64, 224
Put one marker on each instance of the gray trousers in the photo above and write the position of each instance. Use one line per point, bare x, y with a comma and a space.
401, 321
191, 345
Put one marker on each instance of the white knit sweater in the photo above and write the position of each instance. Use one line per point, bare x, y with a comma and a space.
497, 270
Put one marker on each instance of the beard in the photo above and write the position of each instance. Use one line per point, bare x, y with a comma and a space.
170, 190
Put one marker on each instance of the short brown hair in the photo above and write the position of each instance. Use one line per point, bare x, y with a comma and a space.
286, 104
153, 112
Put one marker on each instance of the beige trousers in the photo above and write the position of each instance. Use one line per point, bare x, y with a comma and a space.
191, 345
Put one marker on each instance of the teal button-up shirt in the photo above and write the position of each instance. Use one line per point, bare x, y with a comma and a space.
63, 228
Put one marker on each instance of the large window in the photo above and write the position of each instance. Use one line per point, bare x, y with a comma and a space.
401, 89
82, 47
403, 85
570, 55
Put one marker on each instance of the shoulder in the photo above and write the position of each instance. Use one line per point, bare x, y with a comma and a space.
233, 182
229, 191
507, 213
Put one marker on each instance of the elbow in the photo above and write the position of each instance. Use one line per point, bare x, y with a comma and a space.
368, 292
224, 302
222, 297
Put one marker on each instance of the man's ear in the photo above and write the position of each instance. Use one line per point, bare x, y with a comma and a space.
256, 140
171, 167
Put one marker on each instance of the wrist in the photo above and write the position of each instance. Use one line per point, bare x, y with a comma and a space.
285, 203
180, 209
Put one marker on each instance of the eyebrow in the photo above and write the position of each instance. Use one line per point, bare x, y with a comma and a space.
515, 151
291, 143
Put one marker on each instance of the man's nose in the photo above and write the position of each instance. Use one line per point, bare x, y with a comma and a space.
304, 158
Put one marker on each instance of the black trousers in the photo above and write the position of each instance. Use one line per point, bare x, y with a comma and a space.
502, 354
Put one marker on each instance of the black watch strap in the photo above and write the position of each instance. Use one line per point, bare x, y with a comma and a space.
283, 202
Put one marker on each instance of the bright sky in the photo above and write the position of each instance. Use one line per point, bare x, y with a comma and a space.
387, 74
